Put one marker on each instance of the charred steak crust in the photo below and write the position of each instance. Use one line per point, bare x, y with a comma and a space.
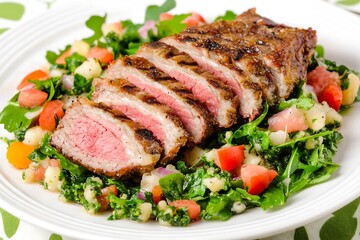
131, 67
147, 148
269, 59
225, 113
106, 92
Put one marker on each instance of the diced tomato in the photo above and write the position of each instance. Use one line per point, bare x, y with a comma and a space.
157, 194
193, 208
32, 97
102, 54
332, 94
63, 56
51, 112
229, 158
35, 75
326, 85
288, 120
165, 16
256, 178
17, 154
103, 198
194, 20
39, 173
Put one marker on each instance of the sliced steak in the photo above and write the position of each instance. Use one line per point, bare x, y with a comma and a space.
105, 143
139, 106
143, 74
253, 55
209, 90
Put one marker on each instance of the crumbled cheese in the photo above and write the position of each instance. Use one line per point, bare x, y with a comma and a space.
278, 137
89, 69
315, 117
51, 179
146, 209
211, 155
149, 181
80, 47
162, 205
349, 94
214, 184
238, 207
332, 115
90, 194
34, 136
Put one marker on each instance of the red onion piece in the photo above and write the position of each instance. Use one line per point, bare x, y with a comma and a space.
149, 25
68, 81
162, 172
141, 195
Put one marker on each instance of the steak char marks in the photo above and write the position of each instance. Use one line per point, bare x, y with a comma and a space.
143, 74
104, 142
257, 58
209, 90
139, 106
178, 90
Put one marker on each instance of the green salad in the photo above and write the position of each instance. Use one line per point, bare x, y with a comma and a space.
253, 164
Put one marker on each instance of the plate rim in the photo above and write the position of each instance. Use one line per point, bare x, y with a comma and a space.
70, 232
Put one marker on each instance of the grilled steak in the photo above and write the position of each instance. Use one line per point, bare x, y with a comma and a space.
105, 143
140, 72
256, 57
139, 106
209, 90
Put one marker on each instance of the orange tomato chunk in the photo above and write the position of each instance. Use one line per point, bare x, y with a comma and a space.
17, 154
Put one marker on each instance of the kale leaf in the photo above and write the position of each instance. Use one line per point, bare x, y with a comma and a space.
172, 186
95, 23
228, 16
153, 12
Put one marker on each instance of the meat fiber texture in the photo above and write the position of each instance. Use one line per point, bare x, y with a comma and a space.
259, 59
105, 143
139, 106
217, 97
143, 74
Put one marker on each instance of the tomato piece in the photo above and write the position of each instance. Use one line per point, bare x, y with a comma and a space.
63, 56
256, 178
288, 120
32, 97
102, 54
17, 154
157, 194
332, 94
51, 112
326, 85
35, 75
103, 198
194, 20
230, 157
193, 208
39, 173
165, 16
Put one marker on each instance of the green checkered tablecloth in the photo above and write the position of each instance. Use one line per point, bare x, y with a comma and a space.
340, 225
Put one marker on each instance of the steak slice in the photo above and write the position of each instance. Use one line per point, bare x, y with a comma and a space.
143, 74
209, 90
139, 106
256, 57
104, 143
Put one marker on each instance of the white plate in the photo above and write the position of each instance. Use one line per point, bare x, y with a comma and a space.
23, 49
